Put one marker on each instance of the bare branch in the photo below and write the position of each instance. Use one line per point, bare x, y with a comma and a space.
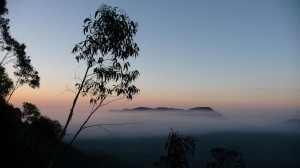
7, 59
69, 90
4, 58
97, 125
112, 101
101, 126
105, 129
16, 86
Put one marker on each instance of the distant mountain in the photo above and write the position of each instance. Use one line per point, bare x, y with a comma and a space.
206, 111
201, 109
291, 124
165, 109
149, 109
142, 109
292, 121
138, 109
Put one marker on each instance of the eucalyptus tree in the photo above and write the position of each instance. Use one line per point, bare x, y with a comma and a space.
14, 52
105, 51
178, 148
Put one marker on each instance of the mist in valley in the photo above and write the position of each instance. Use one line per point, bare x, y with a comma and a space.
136, 138
156, 122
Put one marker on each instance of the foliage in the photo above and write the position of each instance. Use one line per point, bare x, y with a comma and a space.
107, 46
30, 112
15, 54
6, 83
226, 158
30, 143
10, 118
3, 9
178, 150
50, 128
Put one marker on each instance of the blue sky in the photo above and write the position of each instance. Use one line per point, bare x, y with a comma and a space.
232, 55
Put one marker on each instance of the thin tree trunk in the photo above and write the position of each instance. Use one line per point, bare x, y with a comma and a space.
79, 130
4, 58
86, 120
13, 90
62, 134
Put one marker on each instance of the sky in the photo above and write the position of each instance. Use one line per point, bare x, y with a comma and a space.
241, 58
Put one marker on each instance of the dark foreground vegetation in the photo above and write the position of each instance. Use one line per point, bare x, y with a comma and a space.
27, 137
259, 150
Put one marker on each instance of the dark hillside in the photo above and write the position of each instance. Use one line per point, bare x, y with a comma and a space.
260, 150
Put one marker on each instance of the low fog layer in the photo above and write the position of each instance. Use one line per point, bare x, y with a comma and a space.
158, 122
136, 138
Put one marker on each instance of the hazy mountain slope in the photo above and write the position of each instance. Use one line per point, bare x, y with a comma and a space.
74, 158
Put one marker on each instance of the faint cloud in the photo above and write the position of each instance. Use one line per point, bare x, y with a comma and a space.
280, 89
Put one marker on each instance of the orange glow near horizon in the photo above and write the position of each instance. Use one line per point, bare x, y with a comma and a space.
219, 99
56, 103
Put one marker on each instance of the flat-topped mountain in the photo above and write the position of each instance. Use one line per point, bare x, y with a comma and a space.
150, 109
205, 111
201, 109
138, 109
166, 109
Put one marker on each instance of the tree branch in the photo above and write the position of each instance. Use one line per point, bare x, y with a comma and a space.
4, 58
112, 101
16, 86
101, 126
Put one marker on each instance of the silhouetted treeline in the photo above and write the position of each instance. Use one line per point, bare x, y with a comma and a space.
27, 138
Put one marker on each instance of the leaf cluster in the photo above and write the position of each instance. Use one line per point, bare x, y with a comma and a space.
178, 150
111, 31
30, 112
16, 54
107, 46
6, 83
32, 115
3, 9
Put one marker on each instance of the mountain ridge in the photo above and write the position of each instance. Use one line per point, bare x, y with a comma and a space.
142, 108
206, 111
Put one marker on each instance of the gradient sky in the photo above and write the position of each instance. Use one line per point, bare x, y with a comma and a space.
237, 56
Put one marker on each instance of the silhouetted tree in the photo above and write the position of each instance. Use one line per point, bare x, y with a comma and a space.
107, 46
14, 52
27, 138
6, 83
226, 158
3, 9
178, 150
30, 112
